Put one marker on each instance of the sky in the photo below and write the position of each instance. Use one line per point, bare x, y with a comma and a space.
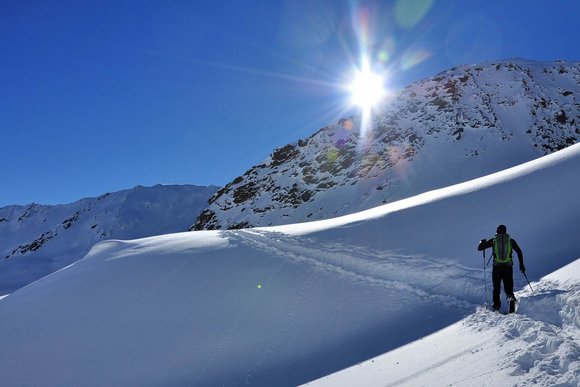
99, 96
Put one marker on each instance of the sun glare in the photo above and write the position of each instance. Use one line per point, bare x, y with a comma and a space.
367, 88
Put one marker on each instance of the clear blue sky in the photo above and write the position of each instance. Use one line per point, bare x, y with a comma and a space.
98, 96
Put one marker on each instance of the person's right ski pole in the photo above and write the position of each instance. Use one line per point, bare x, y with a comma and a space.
524, 273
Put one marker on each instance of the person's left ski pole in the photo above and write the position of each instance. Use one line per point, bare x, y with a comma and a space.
485, 280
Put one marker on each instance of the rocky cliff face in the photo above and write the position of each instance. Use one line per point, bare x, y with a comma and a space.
461, 124
36, 240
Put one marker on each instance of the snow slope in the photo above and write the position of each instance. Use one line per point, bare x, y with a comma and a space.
36, 240
287, 305
461, 124
538, 346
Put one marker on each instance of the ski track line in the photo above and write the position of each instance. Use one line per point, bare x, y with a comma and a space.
359, 264
419, 373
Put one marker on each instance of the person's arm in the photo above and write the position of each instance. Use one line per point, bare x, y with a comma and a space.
485, 244
520, 254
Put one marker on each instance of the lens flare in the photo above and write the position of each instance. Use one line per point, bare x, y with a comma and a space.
408, 13
413, 58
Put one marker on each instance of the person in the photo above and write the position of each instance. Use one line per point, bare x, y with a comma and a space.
503, 246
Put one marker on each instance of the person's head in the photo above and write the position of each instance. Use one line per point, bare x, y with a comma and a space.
501, 229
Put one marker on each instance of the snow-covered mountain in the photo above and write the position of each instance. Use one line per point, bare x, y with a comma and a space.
458, 125
285, 305
36, 240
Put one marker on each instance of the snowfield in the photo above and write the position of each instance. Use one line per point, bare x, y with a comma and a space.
287, 305
538, 346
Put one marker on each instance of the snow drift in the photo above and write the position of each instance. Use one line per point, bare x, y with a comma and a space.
290, 304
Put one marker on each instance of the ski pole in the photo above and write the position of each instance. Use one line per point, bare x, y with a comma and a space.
485, 279
528, 281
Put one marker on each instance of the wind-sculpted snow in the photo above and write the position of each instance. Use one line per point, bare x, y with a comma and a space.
285, 305
549, 337
543, 340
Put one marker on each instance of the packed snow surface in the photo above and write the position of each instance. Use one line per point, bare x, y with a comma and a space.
290, 304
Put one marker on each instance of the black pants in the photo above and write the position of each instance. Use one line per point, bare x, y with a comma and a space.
503, 273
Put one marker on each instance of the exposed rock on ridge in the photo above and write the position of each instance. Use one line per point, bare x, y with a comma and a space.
458, 125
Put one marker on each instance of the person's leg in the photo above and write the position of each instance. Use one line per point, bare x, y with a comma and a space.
496, 279
508, 286
508, 282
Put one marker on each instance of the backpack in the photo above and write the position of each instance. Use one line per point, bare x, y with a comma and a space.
502, 249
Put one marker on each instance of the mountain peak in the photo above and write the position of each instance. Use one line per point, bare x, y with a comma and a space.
471, 120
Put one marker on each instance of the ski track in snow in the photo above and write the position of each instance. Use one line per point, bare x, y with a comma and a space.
424, 277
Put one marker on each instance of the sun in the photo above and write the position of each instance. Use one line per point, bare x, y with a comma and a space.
367, 88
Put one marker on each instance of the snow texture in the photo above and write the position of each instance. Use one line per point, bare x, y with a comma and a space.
290, 304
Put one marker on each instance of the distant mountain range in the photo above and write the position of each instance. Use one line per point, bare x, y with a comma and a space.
36, 240
463, 123
458, 125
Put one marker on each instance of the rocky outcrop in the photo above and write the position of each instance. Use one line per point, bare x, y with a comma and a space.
460, 124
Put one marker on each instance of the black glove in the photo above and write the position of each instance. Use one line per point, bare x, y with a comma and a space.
481, 242
523, 269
